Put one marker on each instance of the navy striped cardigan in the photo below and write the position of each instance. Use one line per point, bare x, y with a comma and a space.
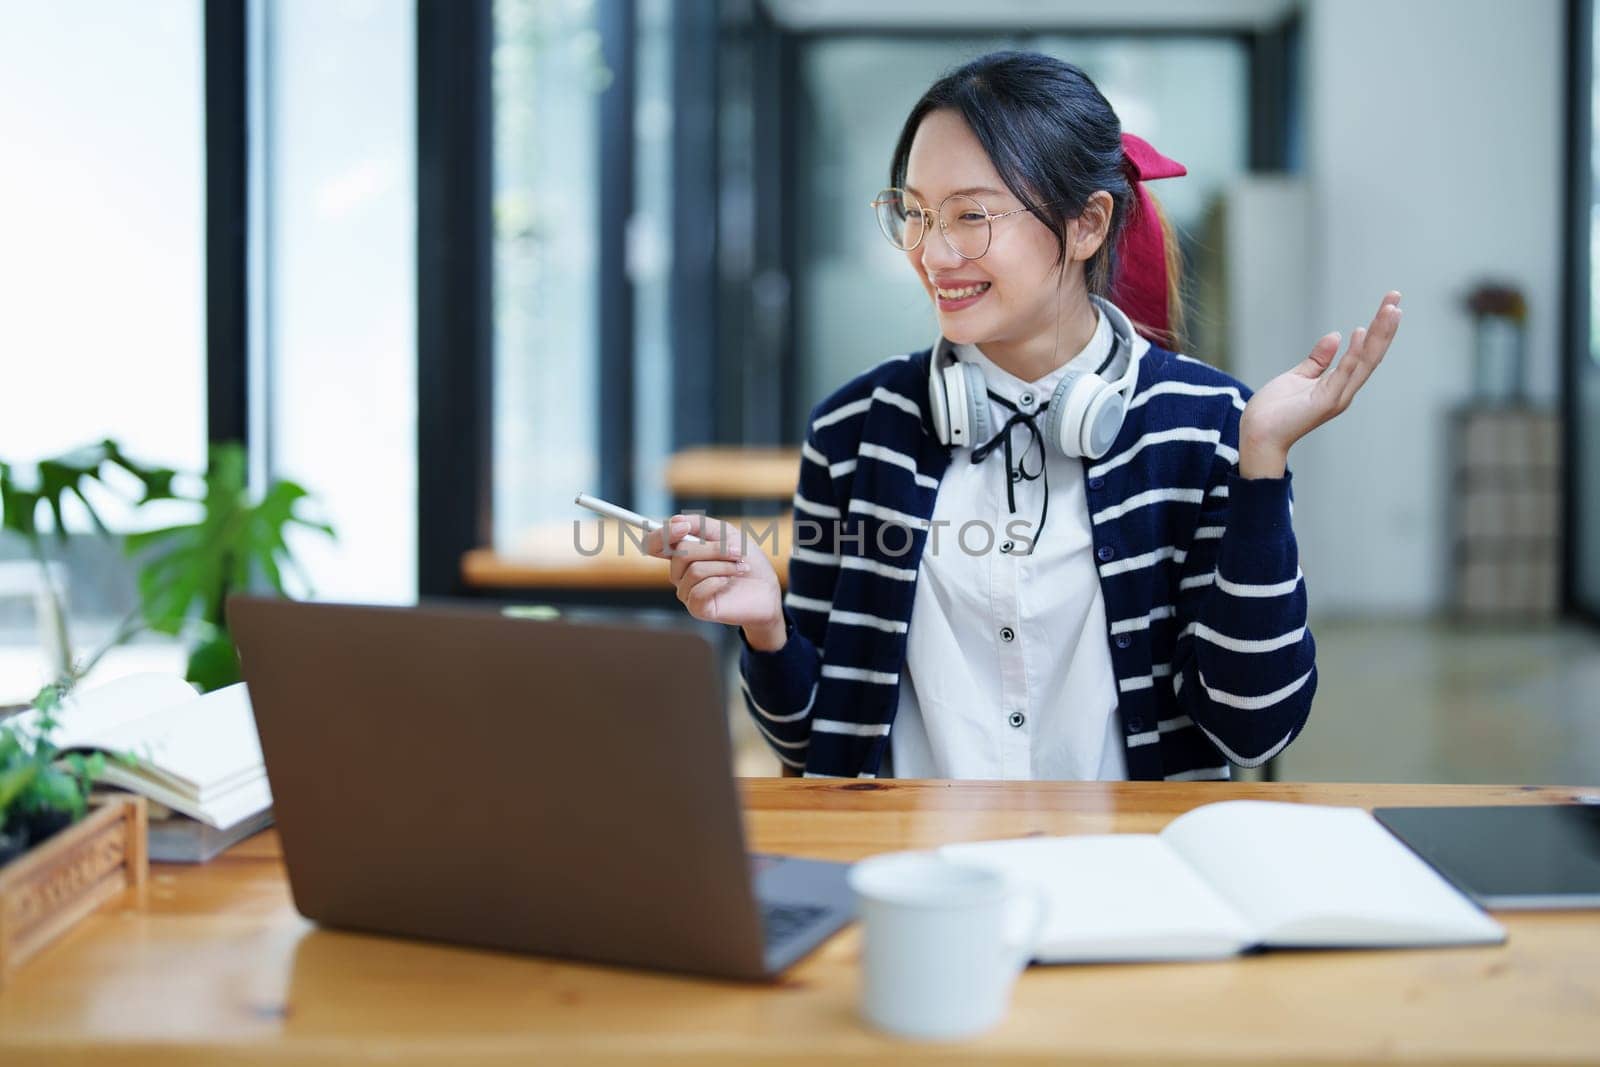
1205, 603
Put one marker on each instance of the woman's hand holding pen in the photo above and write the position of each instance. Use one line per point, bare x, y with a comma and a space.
1298, 401
718, 581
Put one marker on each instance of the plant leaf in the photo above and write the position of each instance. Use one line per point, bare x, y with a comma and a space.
188, 571
214, 663
54, 790
12, 784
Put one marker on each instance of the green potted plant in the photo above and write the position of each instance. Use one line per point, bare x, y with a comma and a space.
186, 571
24, 501
42, 792
237, 544
17, 771
47, 844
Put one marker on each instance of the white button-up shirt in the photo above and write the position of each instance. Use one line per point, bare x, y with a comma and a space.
1008, 674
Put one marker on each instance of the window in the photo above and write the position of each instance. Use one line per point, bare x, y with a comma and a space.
1583, 357
102, 207
335, 137
649, 256
548, 74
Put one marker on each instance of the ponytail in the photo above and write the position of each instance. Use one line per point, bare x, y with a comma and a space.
1148, 283
1177, 316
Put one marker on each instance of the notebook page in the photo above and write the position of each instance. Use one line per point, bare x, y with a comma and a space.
201, 744
1114, 897
225, 810
152, 773
1307, 876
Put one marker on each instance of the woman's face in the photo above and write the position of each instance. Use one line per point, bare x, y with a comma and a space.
1018, 278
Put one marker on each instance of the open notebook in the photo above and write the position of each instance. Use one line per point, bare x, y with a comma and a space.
197, 755
1229, 877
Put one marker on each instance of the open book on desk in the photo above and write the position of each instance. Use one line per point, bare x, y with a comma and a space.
197, 755
1229, 877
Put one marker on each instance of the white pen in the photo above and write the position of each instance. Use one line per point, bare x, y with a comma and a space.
632, 518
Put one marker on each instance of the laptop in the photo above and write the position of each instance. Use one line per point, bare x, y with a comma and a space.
1520, 856
540, 786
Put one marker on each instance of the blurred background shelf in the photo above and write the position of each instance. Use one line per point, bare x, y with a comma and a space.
1505, 493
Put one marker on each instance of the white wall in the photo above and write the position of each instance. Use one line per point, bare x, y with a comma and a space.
1434, 160
1271, 318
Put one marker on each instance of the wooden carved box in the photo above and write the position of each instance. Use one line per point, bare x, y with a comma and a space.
52, 886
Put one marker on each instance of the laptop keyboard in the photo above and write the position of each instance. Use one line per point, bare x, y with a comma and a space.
781, 922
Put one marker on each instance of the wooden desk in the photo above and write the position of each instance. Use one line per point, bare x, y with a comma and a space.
216, 966
549, 558
722, 472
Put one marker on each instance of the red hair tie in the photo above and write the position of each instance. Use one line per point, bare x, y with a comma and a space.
1140, 286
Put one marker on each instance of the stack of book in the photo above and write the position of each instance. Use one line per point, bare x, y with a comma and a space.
197, 759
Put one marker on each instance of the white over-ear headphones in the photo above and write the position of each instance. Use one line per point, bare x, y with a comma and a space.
1084, 415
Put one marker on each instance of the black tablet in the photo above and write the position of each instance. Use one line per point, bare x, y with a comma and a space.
1528, 856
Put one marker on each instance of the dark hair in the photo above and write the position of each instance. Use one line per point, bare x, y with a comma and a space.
1052, 137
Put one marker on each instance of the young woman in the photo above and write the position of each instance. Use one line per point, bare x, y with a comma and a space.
1045, 547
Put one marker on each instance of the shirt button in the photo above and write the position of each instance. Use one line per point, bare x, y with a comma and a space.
1025, 401
1017, 719
1007, 634
1096, 483
1105, 552
1123, 640
1007, 546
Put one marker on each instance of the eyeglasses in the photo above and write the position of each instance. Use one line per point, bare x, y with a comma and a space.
966, 224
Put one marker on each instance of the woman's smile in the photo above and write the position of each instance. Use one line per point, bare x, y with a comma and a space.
955, 294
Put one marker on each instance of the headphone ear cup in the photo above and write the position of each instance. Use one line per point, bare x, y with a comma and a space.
1064, 420
938, 401
1054, 412
1103, 422
977, 405
957, 405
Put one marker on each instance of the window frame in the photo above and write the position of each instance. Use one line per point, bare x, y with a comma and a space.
1578, 364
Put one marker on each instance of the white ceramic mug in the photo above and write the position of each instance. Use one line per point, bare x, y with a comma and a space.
937, 960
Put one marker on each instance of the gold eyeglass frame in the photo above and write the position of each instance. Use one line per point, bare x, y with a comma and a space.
938, 213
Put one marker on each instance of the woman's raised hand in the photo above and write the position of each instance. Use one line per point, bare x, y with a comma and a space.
718, 581
1298, 401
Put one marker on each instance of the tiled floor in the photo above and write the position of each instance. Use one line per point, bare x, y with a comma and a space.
1436, 703
1404, 701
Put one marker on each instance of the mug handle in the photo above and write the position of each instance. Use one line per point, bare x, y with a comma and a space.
1021, 954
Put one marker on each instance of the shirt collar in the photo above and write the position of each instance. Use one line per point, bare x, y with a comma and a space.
1008, 385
